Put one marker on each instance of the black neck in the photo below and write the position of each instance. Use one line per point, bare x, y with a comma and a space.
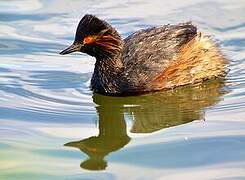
106, 75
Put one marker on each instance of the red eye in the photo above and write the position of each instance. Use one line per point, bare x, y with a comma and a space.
88, 40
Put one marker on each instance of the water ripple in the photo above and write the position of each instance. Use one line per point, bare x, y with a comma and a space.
46, 102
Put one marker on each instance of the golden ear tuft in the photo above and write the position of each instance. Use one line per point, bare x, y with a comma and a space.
93, 38
104, 39
101, 33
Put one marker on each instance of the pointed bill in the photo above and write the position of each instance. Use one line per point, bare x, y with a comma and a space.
73, 48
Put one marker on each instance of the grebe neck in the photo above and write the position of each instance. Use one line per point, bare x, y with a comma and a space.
106, 76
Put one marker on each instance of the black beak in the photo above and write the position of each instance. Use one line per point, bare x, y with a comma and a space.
73, 48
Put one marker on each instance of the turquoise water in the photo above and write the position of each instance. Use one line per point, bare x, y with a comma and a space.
53, 127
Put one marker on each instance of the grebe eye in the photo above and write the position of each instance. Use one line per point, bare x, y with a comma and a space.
89, 40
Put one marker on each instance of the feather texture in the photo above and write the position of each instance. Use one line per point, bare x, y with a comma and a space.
149, 60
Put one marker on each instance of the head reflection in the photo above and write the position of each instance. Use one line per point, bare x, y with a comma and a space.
112, 136
149, 113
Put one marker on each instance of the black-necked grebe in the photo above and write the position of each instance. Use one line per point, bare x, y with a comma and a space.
153, 59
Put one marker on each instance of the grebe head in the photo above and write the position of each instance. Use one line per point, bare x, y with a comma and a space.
96, 38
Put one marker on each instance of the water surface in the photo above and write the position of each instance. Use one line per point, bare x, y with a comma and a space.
53, 127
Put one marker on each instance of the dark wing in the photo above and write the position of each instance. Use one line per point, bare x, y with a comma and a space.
148, 52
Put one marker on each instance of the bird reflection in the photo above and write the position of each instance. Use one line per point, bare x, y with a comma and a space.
112, 136
149, 113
